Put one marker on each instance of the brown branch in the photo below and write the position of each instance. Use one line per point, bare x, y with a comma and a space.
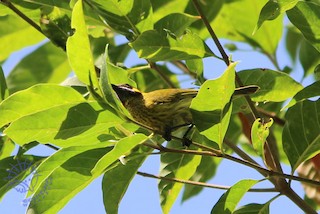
202, 184
184, 68
271, 148
216, 153
161, 74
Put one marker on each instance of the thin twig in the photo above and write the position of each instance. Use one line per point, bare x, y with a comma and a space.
212, 33
213, 153
184, 68
197, 183
161, 74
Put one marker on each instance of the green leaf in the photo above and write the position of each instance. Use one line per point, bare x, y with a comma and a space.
253, 209
211, 108
111, 74
78, 48
16, 34
305, 16
196, 67
241, 28
6, 147
4, 92
46, 64
293, 40
116, 180
205, 170
229, 200
179, 166
66, 120
22, 103
175, 23
309, 57
125, 17
310, 91
165, 8
59, 158
56, 25
13, 171
272, 9
259, 134
155, 46
301, 137
78, 172
274, 86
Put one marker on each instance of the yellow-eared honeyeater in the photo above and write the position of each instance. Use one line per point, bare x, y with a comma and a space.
162, 110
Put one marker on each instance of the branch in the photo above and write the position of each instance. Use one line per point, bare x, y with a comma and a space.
214, 153
162, 75
213, 35
197, 183
271, 148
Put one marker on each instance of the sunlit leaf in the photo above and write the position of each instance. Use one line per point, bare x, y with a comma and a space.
116, 181
13, 171
310, 91
65, 120
165, 8
301, 137
176, 23
6, 147
47, 64
241, 28
157, 47
78, 47
4, 92
274, 86
125, 17
205, 170
211, 108
229, 200
16, 34
56, 25
253, 209
76, 173
179, 166
272, 9
60, 157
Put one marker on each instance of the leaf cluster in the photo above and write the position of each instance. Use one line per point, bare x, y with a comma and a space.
59, 95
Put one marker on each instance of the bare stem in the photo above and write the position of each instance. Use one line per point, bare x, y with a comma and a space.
197, 183
216, 153
161, 74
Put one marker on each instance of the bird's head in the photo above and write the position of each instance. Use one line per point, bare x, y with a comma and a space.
126, 92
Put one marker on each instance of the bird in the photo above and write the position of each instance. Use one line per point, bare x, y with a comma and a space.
163, 110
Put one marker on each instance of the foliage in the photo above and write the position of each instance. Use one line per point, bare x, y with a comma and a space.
82, 118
